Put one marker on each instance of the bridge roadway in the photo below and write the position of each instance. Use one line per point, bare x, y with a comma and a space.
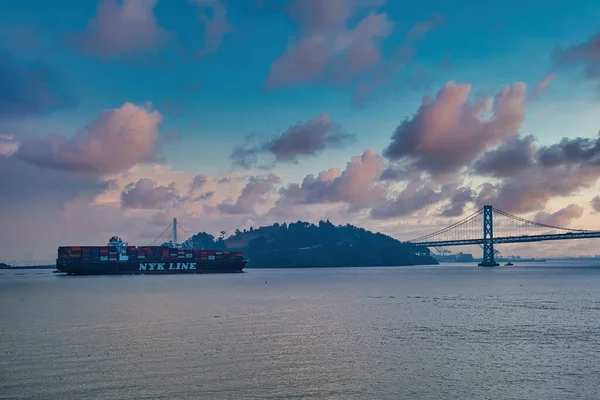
511, 239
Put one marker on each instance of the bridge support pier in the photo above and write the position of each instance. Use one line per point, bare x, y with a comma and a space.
488, 239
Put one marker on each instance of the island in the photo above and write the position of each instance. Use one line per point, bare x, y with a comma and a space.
304, 245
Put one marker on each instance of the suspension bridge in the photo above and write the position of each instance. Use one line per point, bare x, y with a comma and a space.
489, 226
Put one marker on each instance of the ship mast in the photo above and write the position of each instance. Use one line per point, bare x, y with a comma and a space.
175, 232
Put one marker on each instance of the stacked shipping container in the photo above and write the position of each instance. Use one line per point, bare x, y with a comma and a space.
109, 253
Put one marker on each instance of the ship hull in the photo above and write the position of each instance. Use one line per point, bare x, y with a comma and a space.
150, 267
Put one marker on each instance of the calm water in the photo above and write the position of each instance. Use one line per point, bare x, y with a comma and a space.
444, 332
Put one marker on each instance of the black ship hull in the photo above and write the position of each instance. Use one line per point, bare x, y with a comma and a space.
149, 267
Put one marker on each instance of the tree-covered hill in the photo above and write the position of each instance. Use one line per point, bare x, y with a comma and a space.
302, 244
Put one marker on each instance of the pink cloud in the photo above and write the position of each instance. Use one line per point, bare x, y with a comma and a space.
254, 193
121, 29
449, 132
146, 194
541, 86
358, 185
117, 140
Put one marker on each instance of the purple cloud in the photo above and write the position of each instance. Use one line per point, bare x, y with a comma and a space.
303, 139
507, 160
416, 196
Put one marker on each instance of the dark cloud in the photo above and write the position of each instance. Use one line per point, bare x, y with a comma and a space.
531, 178
204, 196
198, 182
120, 29
458, 202
356, 186
29, 87
253, 194
115, 141
571, 151
145, 194
595, 203
303, 139
507, 160
585, 55
448, 132
561, 218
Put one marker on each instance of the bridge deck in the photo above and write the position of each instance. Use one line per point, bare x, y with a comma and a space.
511, 239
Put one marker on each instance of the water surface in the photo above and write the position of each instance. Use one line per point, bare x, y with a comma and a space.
441, 332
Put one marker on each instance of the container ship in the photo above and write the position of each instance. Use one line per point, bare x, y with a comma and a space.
117, 257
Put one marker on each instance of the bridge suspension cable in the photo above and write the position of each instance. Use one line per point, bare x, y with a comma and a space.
449, 228
159, 236
526, 221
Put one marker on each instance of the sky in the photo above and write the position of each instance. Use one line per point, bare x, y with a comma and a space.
118, 115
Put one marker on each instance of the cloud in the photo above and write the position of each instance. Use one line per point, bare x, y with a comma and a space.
145, 194
20, 181
509, 159
561, 218
118, 139
387, 71
448, 132
458, 202
531, 189
204, 196
595, 203
358, 185
303, 139
7, 145
585, 54
120, 28
198, 182
29, 88
418, 31
216, 26
576, 150
541, 86
532, 177
416, 196
254, 193
326, 47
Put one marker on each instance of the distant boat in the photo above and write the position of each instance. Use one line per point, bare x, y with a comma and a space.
508, 264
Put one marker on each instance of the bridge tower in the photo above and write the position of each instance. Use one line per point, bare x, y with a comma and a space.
488, 238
